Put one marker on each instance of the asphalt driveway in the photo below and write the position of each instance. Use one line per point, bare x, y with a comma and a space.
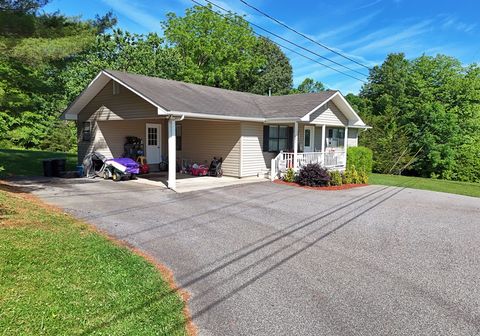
266, 259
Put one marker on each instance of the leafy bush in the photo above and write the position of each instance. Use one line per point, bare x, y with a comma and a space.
335, 178
313, 175
363, 177
289, 175
361, 158
351, 176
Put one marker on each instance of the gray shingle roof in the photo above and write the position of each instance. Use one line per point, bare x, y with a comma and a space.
185, 97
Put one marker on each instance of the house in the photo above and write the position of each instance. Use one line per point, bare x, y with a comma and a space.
182, 121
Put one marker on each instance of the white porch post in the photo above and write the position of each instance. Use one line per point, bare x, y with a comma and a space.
295, 146
345, 144
172, 154
324, 130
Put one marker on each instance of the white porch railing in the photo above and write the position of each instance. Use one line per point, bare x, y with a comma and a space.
285, 160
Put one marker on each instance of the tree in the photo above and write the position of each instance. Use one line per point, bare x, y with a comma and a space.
120, 50
309, 85
425, 115
276, 73
216, 50
33, 50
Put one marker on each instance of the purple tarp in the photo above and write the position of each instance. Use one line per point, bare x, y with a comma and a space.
130, 166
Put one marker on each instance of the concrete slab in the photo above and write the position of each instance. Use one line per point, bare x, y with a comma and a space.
188, 183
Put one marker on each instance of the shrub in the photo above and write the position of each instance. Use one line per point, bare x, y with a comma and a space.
289, 175
351, 176
313, 175
361, 158
363, 177
335, 178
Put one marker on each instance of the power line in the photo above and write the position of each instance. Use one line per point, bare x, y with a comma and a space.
303, 35
288, 41
282, 46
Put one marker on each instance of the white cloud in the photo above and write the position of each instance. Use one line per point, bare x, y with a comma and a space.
454, 23
347, 27
394, 39
373, 3
135, 13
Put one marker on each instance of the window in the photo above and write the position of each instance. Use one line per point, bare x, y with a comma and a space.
86, 131
307, 137
178, 132
277, 138
335, 137
152, 136
116, 88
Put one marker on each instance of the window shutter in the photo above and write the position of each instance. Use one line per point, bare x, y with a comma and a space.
290, 138
266, 136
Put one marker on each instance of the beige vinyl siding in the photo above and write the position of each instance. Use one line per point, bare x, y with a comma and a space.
352, 137
124, 105
254, 160
108, 137
108, 114
204, 139
329, 114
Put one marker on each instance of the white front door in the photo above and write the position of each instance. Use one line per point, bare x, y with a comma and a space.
308, 138
153, 144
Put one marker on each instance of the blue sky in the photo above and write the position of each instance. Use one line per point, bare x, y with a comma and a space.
366, 30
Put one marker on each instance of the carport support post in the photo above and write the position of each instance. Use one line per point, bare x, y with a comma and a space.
295, 146
172, 154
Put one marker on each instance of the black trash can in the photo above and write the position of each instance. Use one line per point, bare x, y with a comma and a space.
47, 168
58, 167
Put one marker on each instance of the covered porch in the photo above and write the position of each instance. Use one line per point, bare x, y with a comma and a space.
315, 143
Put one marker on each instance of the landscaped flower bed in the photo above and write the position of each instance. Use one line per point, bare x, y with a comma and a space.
314, 176
342, 187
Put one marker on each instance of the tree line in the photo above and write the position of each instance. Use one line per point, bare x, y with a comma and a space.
425, 115
47, 59
425, 112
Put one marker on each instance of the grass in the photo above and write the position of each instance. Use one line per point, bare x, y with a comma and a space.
19, 162
59, 277
453, 187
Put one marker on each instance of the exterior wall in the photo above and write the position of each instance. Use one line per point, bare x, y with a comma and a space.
108, 138
204, 139
253, 159
329, 114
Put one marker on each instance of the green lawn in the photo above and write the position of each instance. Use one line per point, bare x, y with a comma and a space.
29, 163
58, 277
453, 187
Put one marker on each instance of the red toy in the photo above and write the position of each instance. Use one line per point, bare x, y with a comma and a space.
200, 171
144, 168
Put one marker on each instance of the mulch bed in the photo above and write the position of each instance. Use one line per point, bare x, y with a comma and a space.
342, 187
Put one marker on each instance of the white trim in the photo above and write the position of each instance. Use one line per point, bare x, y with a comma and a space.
295, 145
172, 154
240, 169
350, 109
214, 116
306, 117
69, 116
324, 134
159, 108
